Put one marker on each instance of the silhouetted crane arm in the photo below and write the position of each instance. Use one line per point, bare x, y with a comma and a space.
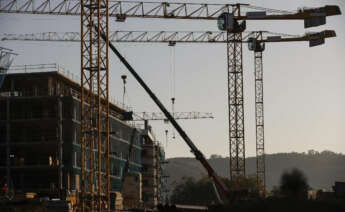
301, 14
168, 10
307, 37
167, 36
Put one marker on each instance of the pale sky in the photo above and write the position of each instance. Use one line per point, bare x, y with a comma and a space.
303, 87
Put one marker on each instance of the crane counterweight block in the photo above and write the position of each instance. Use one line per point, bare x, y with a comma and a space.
317, 16
329, 10
329, 33
314, 21
316, 39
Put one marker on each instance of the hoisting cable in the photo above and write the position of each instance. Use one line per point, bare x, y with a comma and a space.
124, 77
173, 113
126, 100
172, 82
166, 139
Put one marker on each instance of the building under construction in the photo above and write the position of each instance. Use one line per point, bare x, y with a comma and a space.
154, 191
40, 138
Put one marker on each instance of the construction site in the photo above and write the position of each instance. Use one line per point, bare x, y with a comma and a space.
67, 144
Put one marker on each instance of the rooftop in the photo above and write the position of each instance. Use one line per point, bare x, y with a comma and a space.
63, 72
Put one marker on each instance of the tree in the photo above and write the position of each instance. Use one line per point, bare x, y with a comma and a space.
312, 152
193, 192
294, 184
215, 156
201, 192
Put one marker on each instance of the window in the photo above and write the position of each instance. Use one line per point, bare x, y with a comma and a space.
75, 159
75, 112
78, 159
35, 91
75, 137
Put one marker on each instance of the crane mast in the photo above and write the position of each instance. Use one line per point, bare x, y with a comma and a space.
235, 108
259, 122
258, 48
95, 162
236, 103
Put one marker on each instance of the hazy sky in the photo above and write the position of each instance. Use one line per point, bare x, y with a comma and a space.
303, 87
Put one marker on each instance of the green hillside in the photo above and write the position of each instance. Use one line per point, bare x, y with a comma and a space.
321, 169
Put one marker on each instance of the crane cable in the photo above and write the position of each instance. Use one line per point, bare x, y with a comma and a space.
172, 83
124, 77
173, 113
166, 139
126, 100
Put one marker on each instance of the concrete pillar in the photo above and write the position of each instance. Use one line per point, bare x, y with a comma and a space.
8, 147
146, 124
60, 147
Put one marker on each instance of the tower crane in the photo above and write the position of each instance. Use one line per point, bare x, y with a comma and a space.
256, 41
234, 23
95, 69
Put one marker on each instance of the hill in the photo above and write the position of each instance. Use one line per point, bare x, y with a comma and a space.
321, 169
